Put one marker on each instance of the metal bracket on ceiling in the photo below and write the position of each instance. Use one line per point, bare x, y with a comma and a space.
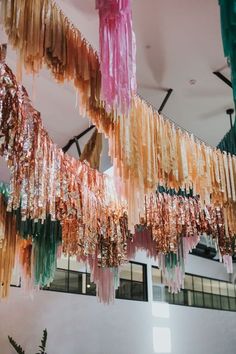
167, 96
229, 112
75, 140
223, 78
77, 146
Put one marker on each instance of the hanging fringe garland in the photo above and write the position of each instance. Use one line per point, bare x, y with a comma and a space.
228, 30
92, 150
173, 264
49, 186
44, 36
165, 214
228, 143
36, 251
172, 228
117, 53
45, 183
149, 143
153, 152
146, 149
46, 237
25, 262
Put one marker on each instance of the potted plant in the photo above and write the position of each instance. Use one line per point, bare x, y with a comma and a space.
42, 347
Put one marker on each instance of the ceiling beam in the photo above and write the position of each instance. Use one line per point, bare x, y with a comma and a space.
75, 140
223, 78
167, 96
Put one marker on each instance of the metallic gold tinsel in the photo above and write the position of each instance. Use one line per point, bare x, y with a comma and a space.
147, 150
7, 247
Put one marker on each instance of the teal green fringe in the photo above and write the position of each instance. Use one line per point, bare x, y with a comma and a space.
228, 30
228, 143
4, 190
46, 237
172, 192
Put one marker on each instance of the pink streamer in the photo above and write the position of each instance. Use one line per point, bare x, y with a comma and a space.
173, 277
142, 241
228, 262
104, 278
117, 53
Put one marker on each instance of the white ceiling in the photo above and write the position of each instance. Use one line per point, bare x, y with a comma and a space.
177, 41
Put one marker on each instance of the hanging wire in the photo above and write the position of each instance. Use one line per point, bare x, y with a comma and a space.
177, 125
75, 29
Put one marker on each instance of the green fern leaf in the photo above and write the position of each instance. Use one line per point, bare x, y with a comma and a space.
42, 347
16, 346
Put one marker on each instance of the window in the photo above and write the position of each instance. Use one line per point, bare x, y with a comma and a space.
198, 299
223, 288
179, 298
158, 289
216, 302
73, 277
215, 287
204, 292
169, 297
197, 283
232, 304
188, 282
206, 285
60, 280
189, 296
231, 290
207, 300
133, 282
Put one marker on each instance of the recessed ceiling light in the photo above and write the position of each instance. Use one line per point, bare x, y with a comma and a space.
192, 81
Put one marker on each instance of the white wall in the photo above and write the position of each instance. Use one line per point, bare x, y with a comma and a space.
205, 267
78, 324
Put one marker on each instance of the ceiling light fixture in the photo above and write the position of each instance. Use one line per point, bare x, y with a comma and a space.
192, 81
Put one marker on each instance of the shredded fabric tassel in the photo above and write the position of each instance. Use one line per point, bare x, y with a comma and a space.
228, 262
7, 247
117, 53
92, 150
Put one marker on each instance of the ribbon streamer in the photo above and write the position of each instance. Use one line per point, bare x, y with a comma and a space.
56, 194
8, 243
228, 28
92, 150
117, 53
147, 150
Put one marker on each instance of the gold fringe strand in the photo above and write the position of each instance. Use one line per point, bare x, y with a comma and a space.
7, 248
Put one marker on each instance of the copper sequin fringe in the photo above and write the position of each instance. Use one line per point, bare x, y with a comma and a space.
147, 150
94, 222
